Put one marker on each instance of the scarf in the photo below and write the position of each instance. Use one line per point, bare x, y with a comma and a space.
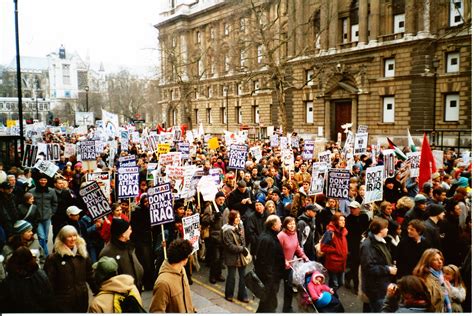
439, 275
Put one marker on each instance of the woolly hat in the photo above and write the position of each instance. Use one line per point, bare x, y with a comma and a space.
263, 184
78, 164
420, 198
435, 209
118, 227
105, 268
462, 182
219, 194
311, 207
21, 226
317, 274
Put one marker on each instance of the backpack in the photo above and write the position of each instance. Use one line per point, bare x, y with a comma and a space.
126, 303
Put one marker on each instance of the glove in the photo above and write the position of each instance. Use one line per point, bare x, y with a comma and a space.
218, 215
245, 252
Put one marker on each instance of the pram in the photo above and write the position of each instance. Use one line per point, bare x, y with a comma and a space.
327, 303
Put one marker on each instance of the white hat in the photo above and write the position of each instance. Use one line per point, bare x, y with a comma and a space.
354, 204
73, 210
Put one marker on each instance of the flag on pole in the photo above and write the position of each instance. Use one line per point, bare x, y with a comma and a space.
427, 163
398, 152
411, 144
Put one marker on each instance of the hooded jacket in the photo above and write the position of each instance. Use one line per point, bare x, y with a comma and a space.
334, 246
307, 235
103, 302
232, 250
46, 200
171, 293
68, 274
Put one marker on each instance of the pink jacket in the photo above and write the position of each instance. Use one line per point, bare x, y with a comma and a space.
289, 243
315, 290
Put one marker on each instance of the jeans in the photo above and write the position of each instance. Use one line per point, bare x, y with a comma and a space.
270, 302
230, 283
43, 232
336, 279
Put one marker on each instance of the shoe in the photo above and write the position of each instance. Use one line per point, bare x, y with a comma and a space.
212, 280
287, 310
244, 300
220, 278
230, 299
190, 281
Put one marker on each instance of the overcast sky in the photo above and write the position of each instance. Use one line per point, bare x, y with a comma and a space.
109, 31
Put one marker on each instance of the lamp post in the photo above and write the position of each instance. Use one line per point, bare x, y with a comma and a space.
435, 76
87, 98
18, 76
226, 91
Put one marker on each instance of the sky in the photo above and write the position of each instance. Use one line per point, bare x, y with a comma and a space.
116, 32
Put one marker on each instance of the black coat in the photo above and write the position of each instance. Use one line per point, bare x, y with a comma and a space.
408, 254
356, 226
452, 247
432, 234
234, 199
308, 236
254, 228
269, 261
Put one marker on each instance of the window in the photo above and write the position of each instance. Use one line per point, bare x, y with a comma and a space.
238, 114
309, 77
345, 37
226, 63
196, 115
173, 42
226, 29
256, 114
209, 117
198, 37
213, 65
175, 117
242, 24
355, 32
309, 112
256, 86
399, 23
451, 107
223, 115
66, 74
200, 67
389, 110
259, 54
456, 12
389, 67
67, 94
242, 58
209, 92
452, 62
240, 90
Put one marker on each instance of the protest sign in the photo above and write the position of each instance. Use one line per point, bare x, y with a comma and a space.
103, 180
124, 140
256, 152
127, 161
187, 189
47, 167
414, 160
207, 187
127, 182
283, 142
135, 137
29, 155
172, 158
439, 157
111, 123
389, 163
84, 118
95, 201
373, 184
213, 143
69, 150
295, 142
87, 150
161, 204
348, 149
50, 152
308, 149
362, 129
338, 183
360, 143
466, 158
163, 149
183, 148
318, 176
274, 142
237, 156
325, 156
151, 143
191, 230
288, 159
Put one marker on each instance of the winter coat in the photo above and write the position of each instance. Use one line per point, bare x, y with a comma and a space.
28, 293
452, 248
34, 246
436, 293
8, 212
307, 235
29, 213
234, 201
141, 227
124, 254
334, 246
290, 246
105, 229
270, 260
103, 302
46, 200
390, 305
68, 274
171, 293
65, 199
315, 290
375, 260
253, 228
408, 254
356, 226
232, 250
213, 220
432, 234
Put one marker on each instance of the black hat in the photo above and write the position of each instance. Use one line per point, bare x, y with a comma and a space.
178, 203
5, 185
435, 209
276, 191
219, 194
311, 207
118, 227
263, 184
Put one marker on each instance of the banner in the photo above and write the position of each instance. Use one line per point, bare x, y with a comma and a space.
362, 129
374, 184
338, 183
318, 176
360, 143
111, 123
191, 230
47, 167
163, 149
389, 163
274, 142
172, 158
69, 150
237, 156
256, 152
183, 148
439, 158
95, 201
161, 204
87, 150
325, 156
124, 140
29, 155
308, 149
84, 118
127, 161
414, 161
127, 182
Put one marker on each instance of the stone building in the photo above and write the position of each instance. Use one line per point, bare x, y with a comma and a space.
311, 66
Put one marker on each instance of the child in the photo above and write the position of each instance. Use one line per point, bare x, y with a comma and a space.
457, 291
318, 291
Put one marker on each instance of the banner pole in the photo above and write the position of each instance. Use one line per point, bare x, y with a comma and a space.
164, 240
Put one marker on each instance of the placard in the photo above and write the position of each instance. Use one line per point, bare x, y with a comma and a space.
161, 204
163, 149
274, 141
213, 143
192, 230
124, 140
308, 149
360, 143
127, 161
87, 150
338, 183
439, 158
47, 167
295, 142
414, 161
389, 163
237, 156
102, 179
29, 155
362, 129
183, 148
173, 158
69, 150
256, 152
325, 156
374, 184
318, 176
127, 182
95, 201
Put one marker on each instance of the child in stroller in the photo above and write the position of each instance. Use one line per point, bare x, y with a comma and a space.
309, 278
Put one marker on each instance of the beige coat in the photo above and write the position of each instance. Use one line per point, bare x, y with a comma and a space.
104, 302
436, 292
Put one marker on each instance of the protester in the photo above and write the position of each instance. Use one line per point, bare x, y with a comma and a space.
28, 211
307, 233
117, 213
413, 295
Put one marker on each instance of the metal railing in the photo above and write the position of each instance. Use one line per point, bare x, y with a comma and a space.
449, 138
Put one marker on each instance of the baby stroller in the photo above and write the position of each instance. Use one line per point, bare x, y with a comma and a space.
302, 273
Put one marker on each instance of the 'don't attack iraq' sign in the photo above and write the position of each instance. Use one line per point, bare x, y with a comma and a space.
237, 156
161, 204
338, 183
95, 201
128, 182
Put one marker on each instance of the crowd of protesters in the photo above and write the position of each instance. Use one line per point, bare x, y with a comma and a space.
409, 251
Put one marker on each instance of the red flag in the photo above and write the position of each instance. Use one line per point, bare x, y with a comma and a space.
427, 163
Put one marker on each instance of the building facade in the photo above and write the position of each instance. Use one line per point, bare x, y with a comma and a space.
311, 66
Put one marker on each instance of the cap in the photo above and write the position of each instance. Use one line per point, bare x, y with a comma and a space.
435, 175
435, 209
73, 210
105, 268
118, 227
354, 204
68, 163
311, 207
21, 226
427, 187
462, 182
420, 198
219, 194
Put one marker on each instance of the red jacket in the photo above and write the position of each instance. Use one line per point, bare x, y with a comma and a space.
334, 246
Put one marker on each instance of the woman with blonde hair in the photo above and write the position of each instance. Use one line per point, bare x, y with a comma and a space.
270, 207
69, 268
430, 269
457, 292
